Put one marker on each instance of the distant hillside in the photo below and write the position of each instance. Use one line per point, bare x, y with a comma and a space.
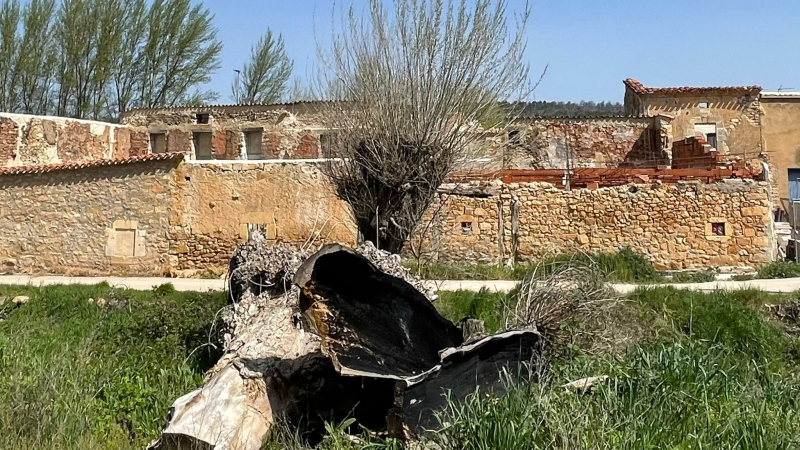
571, 109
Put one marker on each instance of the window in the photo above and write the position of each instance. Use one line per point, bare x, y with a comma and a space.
466, 228
125, 241
252, 143
514, 137
718, 229
702, 105
253, 228
711, 138
202, 118
326, 142
158, 142
202, 145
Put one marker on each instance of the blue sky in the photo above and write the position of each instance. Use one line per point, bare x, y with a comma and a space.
590, 45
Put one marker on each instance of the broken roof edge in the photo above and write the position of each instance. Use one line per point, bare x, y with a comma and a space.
46, 168
640, 89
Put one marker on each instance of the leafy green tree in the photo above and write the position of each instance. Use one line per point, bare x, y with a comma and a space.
37, 63
263, 79
9, 52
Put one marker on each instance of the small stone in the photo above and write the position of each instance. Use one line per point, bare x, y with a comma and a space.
91, 301
101, 302
21, 299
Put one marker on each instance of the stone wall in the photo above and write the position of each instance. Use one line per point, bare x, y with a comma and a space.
39, 140
100, 220
159, 217
215, 204
678, 226
584, 142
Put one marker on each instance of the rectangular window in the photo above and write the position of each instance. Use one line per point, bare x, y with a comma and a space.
718, 228
703, 105
466, 228
202, 118
202, 145
326, 143
252, 143
711, 138
158, 142
253, 228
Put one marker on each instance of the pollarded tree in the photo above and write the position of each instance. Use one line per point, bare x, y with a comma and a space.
415, 87
263, 78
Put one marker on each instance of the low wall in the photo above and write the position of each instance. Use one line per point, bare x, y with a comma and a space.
677, 226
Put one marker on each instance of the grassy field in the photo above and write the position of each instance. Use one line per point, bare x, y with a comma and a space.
75, 375
687, 371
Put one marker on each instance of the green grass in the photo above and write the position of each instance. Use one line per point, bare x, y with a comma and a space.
624, 266
74, 375
709, 370
779, 269
696, 276
716, 373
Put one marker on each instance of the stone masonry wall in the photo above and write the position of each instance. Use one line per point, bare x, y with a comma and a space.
215, 204
677, 226
585, 142
101, 220
39, 140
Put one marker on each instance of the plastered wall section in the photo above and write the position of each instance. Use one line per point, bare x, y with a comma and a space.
781, 127
27, 140
676, 226
103, 220
215, 206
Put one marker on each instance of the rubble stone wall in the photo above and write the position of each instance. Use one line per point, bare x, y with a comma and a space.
677, 226
37, 140
584, 142
101, 220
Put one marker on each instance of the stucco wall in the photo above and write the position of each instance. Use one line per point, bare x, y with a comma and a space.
215, 203
781, 128
66, 221
670, 223
37, 140
736, 116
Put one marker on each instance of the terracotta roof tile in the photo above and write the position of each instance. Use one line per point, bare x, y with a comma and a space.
18, 170
641, 89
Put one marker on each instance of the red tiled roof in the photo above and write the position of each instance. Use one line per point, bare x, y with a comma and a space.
83, 165
641, 89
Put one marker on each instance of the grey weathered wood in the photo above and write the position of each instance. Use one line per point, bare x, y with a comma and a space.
468, 190
501, 232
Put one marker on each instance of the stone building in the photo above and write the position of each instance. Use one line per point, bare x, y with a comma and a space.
174, 190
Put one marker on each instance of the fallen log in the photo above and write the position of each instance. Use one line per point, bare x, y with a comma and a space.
340, 334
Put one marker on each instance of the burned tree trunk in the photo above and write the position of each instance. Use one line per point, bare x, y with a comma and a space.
348, 340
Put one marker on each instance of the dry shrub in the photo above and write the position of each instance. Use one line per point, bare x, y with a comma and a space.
556, 292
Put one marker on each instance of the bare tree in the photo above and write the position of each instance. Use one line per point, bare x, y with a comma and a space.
416, 87
263, 78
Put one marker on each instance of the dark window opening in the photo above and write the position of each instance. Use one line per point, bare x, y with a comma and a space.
202, 145
326, 143
252, 143
202, 118
711, 138
514, 137
466, 228
158, 143
718, 228
703, 105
